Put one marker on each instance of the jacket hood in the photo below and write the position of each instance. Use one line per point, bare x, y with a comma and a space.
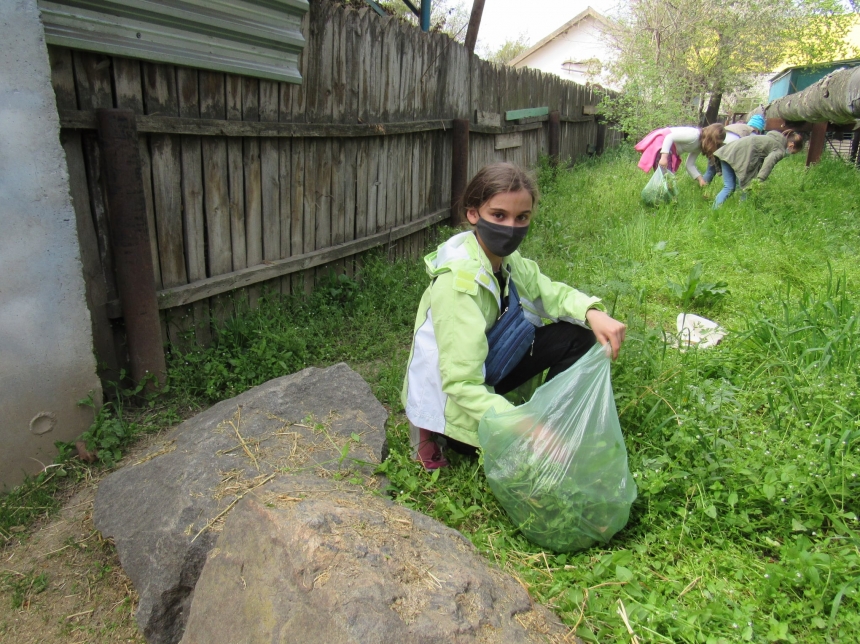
757, 121
459, 250
777, 136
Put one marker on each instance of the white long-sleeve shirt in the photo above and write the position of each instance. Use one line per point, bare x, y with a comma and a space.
686, 140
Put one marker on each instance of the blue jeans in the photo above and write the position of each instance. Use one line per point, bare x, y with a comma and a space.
711, 172
730, 181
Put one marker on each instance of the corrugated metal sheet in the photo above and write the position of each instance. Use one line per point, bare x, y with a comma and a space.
260, 38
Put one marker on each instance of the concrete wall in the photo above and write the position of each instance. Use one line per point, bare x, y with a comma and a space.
46, 358
581, 42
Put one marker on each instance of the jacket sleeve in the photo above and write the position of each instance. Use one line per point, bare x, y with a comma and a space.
553, 300
461, 339
769, 161
692, 170
668, 142
680, 137
683, 137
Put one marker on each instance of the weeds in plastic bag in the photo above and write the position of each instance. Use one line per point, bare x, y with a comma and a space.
557, 464
554, 509
661, 188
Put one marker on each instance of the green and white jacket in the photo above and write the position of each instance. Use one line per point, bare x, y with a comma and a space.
444, 390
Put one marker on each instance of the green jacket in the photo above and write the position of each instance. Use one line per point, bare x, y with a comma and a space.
753, 156
444, 389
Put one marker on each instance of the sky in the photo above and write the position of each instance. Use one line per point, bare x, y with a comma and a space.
506, 19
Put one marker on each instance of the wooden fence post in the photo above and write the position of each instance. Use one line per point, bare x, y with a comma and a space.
554, 135
135, 276
600, 144
816, 143
459, 168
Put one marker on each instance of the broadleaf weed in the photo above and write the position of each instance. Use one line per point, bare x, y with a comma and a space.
694, 291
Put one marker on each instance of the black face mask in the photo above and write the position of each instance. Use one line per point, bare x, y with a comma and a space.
500, 240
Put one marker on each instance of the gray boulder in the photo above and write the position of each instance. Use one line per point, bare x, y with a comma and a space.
164, 511
307, 561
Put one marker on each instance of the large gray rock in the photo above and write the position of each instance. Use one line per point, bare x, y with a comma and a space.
308, 561
164, 511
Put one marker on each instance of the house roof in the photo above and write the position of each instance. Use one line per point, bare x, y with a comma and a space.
849, 62
588, 13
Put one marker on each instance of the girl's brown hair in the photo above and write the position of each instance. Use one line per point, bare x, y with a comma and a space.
494, 179
795, 138
711, 138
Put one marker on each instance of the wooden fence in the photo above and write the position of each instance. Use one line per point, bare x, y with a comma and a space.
253, 184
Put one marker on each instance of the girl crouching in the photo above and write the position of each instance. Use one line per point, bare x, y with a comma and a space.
445, 391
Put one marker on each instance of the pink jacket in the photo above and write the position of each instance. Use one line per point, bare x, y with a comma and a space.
650, 149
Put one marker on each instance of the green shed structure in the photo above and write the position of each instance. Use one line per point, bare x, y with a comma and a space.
798, 78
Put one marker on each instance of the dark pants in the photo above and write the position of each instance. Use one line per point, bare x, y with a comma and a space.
557, 346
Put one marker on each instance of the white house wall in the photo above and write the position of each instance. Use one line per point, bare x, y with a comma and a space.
46, 358
581, 42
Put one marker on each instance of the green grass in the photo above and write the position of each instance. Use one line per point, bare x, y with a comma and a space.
367, 320
746, 455
22, 587
35, 497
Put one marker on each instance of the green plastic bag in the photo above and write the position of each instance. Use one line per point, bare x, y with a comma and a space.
662, 188
558, 464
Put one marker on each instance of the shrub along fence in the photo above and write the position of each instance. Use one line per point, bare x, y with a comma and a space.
247, 183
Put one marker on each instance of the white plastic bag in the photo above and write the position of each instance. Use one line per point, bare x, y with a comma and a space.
661, 188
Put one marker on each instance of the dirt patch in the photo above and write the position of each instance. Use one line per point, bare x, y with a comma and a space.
63, 583
60, 582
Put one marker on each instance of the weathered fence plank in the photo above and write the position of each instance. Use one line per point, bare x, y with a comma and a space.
160, 98
253, 182
210, 287
85, 120
236, 178
192, 201
297, 205
216, 183
270, 174
285, 167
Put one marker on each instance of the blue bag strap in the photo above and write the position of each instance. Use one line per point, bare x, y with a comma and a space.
513, 294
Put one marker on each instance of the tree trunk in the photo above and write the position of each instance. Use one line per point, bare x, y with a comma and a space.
474, 25
835, 99
712, 113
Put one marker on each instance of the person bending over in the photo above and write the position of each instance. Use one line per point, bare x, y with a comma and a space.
753, 158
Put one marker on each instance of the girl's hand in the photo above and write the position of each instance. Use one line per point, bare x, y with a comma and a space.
702, 182
664, 160
606, 329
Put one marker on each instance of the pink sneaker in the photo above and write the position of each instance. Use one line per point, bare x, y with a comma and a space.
428, 452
